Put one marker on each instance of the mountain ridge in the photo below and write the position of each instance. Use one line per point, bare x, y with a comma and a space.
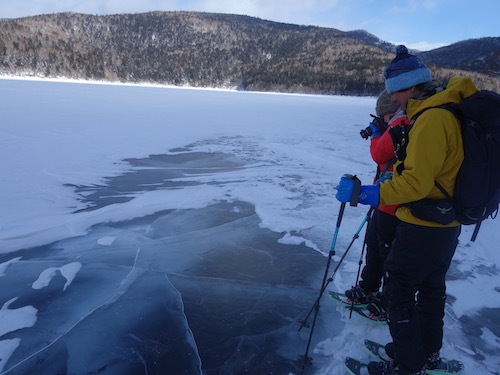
223, 51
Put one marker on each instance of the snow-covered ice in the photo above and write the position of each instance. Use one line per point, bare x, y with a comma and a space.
150, 229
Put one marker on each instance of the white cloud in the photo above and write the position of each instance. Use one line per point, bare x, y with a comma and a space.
421, 46
293, 11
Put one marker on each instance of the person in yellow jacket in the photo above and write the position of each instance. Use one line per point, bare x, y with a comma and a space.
414, 292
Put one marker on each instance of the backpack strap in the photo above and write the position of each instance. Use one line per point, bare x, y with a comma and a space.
387, 166
449, 106
442, 189
453, 109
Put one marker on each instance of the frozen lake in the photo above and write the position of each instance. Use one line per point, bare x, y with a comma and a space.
159, 230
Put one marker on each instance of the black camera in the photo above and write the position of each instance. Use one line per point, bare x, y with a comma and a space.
379, 124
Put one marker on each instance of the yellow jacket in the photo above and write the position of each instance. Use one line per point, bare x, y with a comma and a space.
434, 152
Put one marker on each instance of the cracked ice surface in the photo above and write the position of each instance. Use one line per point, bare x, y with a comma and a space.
152, 230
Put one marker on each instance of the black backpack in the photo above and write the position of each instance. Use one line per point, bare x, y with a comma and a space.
477, 189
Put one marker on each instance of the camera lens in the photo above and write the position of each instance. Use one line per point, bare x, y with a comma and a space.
366, 133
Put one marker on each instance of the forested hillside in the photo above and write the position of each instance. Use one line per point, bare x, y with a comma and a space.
218, 50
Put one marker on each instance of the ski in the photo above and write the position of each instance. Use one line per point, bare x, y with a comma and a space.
445, 367
361, 308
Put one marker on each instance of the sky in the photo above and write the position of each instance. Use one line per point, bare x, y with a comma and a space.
419, 24
295, 148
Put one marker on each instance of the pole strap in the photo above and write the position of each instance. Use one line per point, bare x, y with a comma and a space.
355, 190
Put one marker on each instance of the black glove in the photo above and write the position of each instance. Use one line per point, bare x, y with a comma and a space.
400, 139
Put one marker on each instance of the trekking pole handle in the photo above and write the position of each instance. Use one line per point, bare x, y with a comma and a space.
355, 190
337, 227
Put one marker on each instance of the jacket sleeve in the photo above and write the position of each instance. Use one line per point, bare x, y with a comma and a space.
382, 149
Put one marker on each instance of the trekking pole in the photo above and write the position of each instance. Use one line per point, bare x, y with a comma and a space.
367, 221
476, 231
306, 360
330, 279
303, 322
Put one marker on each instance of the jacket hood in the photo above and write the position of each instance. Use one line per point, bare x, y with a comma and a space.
458, 89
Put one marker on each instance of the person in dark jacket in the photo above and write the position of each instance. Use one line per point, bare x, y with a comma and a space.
415, 289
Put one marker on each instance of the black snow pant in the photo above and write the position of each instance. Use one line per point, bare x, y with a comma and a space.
380, 233
415, 291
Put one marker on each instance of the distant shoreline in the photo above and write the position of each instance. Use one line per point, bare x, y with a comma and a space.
160, 86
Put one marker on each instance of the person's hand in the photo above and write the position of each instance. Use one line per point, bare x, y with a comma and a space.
377, 126
368, 194
375, 131
345, 188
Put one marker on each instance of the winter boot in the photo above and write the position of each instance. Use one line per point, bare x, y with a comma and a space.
377, 309
359, 296
433, 360
388, 368
389, 350
381, 368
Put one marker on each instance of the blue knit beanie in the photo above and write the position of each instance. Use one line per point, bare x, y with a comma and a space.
405, 71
